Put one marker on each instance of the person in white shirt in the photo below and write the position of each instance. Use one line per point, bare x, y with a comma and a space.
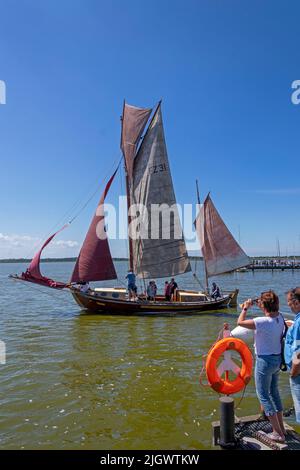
268, 332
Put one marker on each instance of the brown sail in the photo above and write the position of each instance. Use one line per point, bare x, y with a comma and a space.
220, 250
33, 272
158, 246
94, 262
134, 121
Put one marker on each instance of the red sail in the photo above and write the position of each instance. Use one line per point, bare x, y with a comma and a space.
134, 121
33, 273
94, 262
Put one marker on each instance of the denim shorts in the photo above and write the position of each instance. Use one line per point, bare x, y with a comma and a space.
295, 389
266, 382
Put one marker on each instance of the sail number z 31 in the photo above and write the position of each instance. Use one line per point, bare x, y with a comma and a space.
157, 168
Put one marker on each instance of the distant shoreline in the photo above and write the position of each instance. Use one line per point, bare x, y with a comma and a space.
48, 260
193, 258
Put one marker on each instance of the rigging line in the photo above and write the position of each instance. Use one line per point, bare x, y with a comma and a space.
198, 281
68, 213
97, 182
122, 187
50, 293
121, 282
90, 198
243, 395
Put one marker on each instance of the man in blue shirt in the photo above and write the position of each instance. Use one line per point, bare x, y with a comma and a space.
292, 349
132, 289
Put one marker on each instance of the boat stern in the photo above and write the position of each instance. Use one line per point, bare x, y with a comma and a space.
233, 298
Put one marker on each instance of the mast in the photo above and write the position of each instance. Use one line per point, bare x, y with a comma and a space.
129, 221
198, 194
205, 267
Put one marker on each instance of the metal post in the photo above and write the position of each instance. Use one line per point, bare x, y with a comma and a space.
227, 439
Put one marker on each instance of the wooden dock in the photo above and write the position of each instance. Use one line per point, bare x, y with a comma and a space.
272, 268
246, 438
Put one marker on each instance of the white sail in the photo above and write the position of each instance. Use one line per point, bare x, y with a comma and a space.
158, 245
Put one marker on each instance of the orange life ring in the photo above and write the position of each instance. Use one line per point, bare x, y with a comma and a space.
226, 386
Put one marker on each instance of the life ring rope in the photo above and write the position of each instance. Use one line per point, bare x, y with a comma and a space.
204, 356
214, 371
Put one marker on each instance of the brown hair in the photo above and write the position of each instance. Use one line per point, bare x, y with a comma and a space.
270, 301
295, 293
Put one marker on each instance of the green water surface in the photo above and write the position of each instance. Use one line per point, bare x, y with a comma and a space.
78, 381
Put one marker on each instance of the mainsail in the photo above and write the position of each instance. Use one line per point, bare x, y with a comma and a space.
158, 246
220, 250
94, 262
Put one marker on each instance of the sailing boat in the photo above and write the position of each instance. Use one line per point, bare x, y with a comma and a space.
149, 185
221, 252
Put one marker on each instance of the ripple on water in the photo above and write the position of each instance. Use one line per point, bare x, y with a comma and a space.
99, 382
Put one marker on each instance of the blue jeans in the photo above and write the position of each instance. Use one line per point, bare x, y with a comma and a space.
295, 389
266, 382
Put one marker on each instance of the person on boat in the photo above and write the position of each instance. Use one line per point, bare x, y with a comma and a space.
268, 331
167, 291
151, 290
27, 274
215, 291
132, 289
292, 349
173, 288
84, 287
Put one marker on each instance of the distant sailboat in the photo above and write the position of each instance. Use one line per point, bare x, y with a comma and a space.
148, 183
221, 252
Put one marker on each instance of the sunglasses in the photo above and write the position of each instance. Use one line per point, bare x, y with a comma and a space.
258, 299
295, 293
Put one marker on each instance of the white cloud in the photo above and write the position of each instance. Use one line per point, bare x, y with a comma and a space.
17, 240
25, 246
66, 243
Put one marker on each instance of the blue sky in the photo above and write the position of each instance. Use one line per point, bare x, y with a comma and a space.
224, 70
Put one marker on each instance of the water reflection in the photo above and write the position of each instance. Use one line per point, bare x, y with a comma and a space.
81, 381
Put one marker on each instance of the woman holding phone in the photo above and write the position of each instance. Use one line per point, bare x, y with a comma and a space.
268, 331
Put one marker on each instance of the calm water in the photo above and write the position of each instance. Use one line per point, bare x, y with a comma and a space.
78, 381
